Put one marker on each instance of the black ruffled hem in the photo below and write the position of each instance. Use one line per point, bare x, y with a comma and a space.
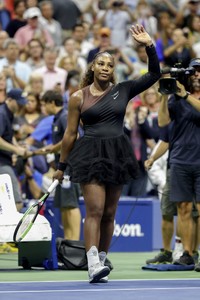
103, 160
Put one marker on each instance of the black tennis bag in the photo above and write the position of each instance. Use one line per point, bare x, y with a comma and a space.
71, 254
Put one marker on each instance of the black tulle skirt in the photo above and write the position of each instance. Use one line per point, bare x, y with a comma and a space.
105, 160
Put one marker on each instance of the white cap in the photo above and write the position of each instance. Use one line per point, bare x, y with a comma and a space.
32, 12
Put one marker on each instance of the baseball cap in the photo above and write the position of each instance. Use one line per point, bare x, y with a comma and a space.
32, 12
17, 94
105, 31
195, 62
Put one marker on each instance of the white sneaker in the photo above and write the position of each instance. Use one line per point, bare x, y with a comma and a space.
97, 272
178, 251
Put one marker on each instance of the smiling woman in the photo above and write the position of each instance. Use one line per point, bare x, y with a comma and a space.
102, 160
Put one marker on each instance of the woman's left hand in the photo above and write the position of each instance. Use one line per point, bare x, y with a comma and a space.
140, 35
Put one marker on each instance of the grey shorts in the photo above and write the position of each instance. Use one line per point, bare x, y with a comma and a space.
15, 184
168, 208
67, 195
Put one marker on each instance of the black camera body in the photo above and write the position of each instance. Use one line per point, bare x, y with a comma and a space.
117, 3
168, 85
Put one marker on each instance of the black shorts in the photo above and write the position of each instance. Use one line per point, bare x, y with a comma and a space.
184, 183
67, 195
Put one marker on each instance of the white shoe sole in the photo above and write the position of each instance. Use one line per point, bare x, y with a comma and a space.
99, 275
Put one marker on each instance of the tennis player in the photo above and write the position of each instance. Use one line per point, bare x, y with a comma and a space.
102, 160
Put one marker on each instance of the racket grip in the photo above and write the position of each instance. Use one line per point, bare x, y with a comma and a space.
53, 186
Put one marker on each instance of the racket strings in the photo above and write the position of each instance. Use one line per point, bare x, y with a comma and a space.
26, 223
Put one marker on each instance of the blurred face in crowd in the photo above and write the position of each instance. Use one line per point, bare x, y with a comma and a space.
68, 64
47, 11
36, 83
35, 49
33, 22
32, 104
20, 8
50, 59
79, 34
177, 34
31, 3
12, 52
70, 46
142, 54
150, 96
3, 37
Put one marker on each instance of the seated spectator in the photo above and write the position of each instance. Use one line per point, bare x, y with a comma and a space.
35, 54
51, 74
83, 46
71, 85
69, 49
17, 73
32, 30
48, 23
18, 21
104, 43
35, 85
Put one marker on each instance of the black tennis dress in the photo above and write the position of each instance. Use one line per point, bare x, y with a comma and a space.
104, 154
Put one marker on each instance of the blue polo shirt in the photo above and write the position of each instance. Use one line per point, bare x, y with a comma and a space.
6, 133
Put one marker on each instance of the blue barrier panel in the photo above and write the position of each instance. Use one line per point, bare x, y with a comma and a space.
137, 224
133, 225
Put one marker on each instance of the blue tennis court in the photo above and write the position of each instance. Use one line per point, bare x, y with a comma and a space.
114, 289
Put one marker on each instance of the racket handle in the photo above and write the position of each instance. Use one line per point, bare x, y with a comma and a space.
53, 186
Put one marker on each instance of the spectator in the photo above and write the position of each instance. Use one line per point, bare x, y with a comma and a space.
33, 29
180, 51
83, 46
49, 24
18, 21
17, 73
35, 85
61, 7
117, 17
35, 54
51, 74
69, 49
29, 117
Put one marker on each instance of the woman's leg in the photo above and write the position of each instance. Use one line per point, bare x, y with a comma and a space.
94, 198
113, 193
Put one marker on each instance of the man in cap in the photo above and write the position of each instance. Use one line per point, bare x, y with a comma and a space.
12, 105
33, 29
183, 111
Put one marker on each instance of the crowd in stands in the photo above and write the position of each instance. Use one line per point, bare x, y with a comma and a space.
47, 45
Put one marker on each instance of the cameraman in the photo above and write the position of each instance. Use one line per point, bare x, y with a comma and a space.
183, 108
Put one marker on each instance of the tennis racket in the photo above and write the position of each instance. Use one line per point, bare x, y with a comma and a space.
29, 217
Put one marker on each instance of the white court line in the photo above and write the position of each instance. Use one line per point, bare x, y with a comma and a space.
111, 280
101, 290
